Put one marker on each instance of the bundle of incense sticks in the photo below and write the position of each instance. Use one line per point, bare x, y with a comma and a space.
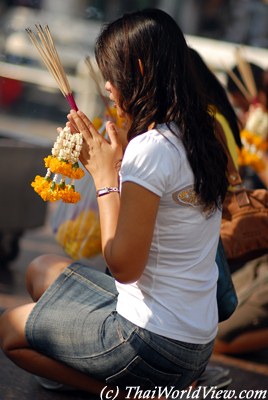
246, 74
246, 84
44, 44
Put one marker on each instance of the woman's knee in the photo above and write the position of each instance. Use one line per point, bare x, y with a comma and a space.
43, 271
12, 328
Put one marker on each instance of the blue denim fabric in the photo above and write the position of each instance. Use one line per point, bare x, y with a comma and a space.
76, 323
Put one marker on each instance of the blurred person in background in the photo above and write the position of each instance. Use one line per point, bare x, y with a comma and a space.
239, 101
225, 115
246, 331
219, 101
253, 159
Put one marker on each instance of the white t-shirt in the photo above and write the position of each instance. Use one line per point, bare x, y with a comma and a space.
176, 294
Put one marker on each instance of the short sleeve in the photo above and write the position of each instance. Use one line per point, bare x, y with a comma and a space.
149, 162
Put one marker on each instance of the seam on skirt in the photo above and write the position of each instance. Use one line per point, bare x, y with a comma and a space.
69, 272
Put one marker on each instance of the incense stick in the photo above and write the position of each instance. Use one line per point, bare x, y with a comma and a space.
246, 73
239, 84
48, 52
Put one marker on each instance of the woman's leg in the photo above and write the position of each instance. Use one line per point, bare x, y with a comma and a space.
244, 343
41, 273
14, 344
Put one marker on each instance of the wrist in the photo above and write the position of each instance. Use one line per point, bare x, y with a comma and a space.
106, 181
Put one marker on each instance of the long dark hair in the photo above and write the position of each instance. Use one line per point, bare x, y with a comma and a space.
215, 93
164, 91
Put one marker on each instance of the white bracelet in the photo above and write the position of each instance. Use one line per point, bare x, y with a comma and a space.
106, 190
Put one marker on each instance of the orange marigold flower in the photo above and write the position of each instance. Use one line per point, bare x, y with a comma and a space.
69, 195
246, 158
46, 189
51, 195
64, 168
40, 183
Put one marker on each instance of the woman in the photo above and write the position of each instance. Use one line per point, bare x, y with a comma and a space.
154, 322
220, 104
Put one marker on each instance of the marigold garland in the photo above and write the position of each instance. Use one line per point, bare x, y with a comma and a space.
63, 163
80, 236
254, 138
63, 167
252, 152
51, 191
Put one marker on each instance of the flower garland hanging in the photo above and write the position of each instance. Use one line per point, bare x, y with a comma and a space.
79, 229
63, 163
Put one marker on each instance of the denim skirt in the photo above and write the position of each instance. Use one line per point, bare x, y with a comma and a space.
76, 323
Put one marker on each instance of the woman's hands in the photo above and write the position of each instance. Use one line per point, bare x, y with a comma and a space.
100, 157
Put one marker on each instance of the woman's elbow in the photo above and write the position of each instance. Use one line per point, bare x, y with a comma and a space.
124, 279
126, 273
126, 266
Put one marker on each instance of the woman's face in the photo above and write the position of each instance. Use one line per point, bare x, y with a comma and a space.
114, 97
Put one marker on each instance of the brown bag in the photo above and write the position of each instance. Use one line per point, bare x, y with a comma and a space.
244, 227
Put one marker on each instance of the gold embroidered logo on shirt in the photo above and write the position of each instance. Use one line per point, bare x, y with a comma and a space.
186, 197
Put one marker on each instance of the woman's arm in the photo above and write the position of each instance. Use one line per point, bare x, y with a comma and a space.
127, 238
127, 221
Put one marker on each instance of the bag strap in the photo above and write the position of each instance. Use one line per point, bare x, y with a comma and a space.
234, 177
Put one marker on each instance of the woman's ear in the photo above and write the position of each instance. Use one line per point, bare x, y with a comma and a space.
141, 67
